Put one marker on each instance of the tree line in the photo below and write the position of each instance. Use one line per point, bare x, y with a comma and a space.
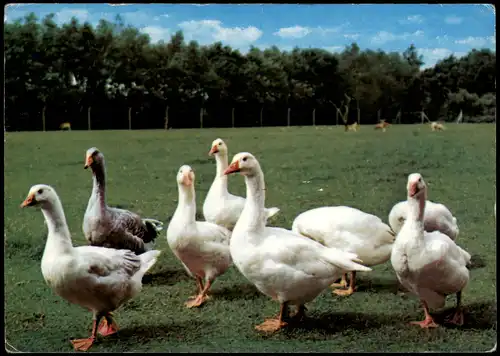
100, 76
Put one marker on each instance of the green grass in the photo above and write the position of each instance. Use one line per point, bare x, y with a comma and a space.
367, 170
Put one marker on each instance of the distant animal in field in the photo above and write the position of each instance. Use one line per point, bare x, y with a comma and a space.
65, 126
352, 127
382, 125
436, 126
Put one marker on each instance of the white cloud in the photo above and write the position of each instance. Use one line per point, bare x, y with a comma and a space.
477, 41
157, 33
301, 31
442, 39
324, 31
334, 49
433, 55
384, 36
412, 19
65, 15
352, 36
141, 18
293, 32
453, 20
209, 31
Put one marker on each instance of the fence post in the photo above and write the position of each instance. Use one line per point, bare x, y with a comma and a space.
166, 118
359, 112
288, 118
88, 118
43, 117
201, 118
130, 118
314, 117
232, 117
261, 109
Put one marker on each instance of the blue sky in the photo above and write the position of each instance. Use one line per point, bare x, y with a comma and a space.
436, 30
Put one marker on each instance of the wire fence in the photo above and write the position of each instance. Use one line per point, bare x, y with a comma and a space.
171, 117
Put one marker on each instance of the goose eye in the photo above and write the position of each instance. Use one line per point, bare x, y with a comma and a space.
40, 191
244, 159
220, 143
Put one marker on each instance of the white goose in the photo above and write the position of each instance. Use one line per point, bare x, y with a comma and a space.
97, 278
112, 227
220, 206
202, 247
281, 264
350, 230
437, 218
428, 264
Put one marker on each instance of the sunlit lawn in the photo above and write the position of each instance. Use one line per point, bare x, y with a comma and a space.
304, 168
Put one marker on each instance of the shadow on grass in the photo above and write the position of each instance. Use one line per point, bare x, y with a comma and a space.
476, 262
143, 333
235, 292
374, 285
479, 315
166, 278
332, 323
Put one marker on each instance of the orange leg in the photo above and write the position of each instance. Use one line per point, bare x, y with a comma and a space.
343, 282
274, 324
199, 287
350, 290
200, 298
108, 326
428, 322
458, 316
85, 344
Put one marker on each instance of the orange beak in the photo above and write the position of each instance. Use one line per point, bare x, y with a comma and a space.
30, 200
233, 168
187, 180
88, 162
213, 150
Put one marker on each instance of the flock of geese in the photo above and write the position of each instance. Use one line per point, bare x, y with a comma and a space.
291, 266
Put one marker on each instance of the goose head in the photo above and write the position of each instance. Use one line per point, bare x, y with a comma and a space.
185, 176
243, 162
416, 186
218, 147
39, 195
93, 157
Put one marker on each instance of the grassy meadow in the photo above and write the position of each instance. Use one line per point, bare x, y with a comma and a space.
304, 168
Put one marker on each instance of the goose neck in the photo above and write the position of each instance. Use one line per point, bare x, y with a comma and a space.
187, 203
415, 213
59, 239
253, 214
99, 186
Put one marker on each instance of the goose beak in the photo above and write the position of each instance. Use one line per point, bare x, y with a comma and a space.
88, 162
187, 180
233, 168
213, 150
29, 201
413, 190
